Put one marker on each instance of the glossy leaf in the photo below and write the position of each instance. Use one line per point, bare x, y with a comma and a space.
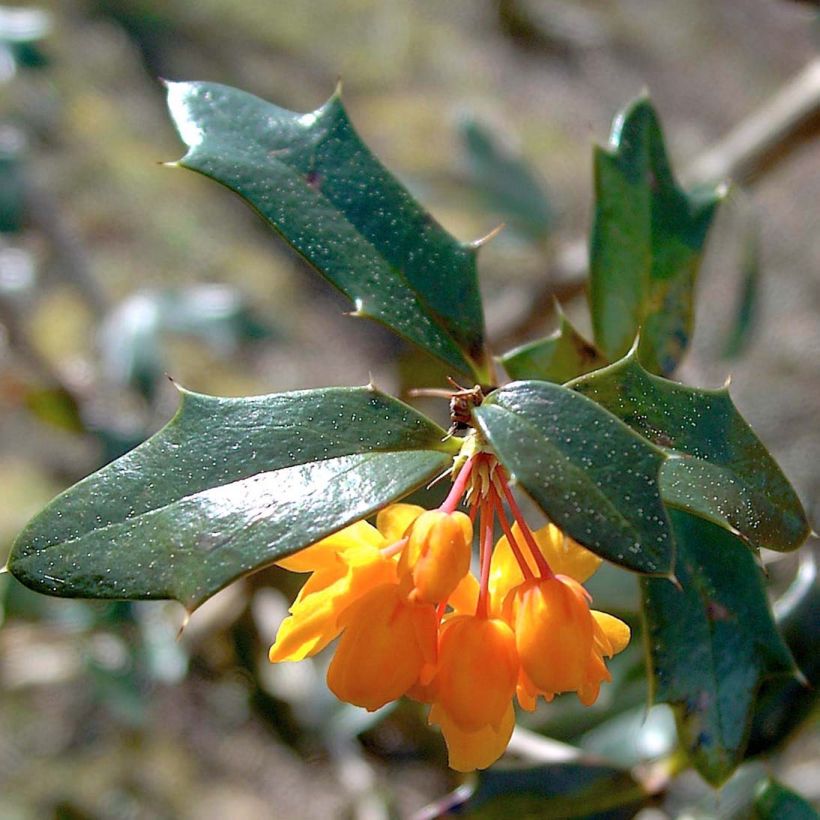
773, 801
647, 241
559, 791
783, 704
313, 179
510, 186
561, 356
711, 642
594, 477
227, 487
719, 468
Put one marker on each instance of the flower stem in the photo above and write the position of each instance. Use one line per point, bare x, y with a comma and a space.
395, 548
511, 540
459, 487
544, 569
486, 552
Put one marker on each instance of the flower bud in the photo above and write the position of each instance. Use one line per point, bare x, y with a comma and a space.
437, 555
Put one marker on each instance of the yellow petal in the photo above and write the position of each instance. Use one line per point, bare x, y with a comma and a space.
392, 522
616, 631
473, 750
323, 553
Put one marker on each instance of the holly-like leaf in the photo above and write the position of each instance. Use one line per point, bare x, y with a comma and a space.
783, 704
711, 642
773, 801
719, 468
561, 356
592, 475
313, 179
227, 487
647, 241
559, 791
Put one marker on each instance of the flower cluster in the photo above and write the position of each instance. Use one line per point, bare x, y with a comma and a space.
415, 621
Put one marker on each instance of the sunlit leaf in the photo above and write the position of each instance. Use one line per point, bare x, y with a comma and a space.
711, 642
647, 242
774, 801
561, 356
227, 487
313, 179
718, 468
594, 477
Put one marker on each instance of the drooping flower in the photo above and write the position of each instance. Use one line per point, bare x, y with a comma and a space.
414, 621
344, 567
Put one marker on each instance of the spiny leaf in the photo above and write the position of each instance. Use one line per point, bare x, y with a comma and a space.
720, 469
313, 179
561, 356
227, 487
594, 477
647, 241
711, 642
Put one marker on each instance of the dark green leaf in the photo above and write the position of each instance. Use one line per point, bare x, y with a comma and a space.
783, 704
12, 194
719, 468
561, 356
313, 179
742, 324
711, 642
510, 186
227, 487
594, 477
774, 801
559, 791
647, 241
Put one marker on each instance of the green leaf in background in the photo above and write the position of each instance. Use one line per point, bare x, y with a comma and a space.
718, 468
559, 791
561, 356
593, 477
646, 245
227, 487
711, 642
20, 31
510, 186
783, 704
742, 324
12, 193
774, 801
313, 179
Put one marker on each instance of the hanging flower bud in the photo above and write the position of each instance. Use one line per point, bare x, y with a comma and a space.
437, 555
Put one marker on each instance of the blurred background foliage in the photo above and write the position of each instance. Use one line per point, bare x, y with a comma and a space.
116, 271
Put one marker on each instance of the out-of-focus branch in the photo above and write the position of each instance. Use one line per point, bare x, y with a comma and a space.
766, 136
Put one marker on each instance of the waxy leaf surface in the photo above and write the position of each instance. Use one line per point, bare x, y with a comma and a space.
646, 246
711, 642
592, 475
718, 468
227, 487
313, 179
561, 356
773, 801
558, 791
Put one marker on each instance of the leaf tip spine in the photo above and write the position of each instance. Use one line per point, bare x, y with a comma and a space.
479, 243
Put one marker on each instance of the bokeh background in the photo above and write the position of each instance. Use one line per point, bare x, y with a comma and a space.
116, 270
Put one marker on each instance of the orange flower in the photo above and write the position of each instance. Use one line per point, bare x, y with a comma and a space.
437, 555
387, 644
345, 566
473, 688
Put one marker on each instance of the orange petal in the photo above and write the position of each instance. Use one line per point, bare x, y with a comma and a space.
464, 598
473, 750
616, 631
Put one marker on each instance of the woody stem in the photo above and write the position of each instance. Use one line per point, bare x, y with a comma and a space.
459, 487
505, 526
544, 569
